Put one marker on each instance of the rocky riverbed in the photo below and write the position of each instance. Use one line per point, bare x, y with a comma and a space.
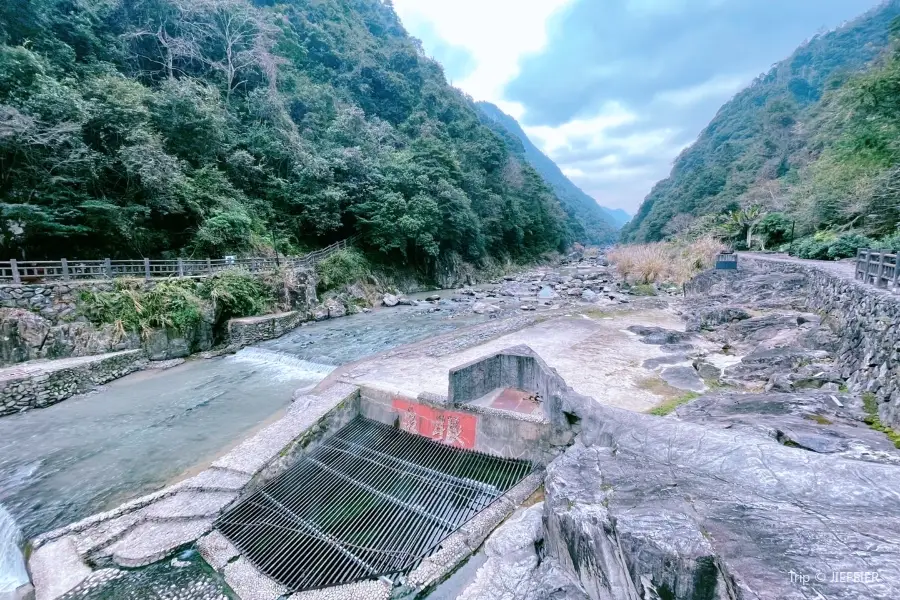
768, 483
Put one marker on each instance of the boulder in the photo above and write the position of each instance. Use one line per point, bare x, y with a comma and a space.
728, 515
404, 301
481, 308
711, 318
433, 298
589, 296
390, 300
22, 335
658, 335
335, 308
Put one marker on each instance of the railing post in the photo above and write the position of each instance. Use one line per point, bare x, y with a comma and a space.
879, 279
15, 270
147, 268
868, 266
65, 269
181, 267
896, 270
208, 266
107, 266
859, 263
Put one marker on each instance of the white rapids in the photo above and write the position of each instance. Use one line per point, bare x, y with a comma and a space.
12, 564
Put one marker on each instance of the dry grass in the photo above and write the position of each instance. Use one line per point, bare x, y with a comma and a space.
668, 262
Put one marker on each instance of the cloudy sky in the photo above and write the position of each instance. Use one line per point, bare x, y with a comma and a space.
613, 90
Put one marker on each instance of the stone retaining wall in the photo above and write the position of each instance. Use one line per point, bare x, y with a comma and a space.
41, 384
868, 322
249, 330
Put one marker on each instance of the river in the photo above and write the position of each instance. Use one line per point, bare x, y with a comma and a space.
135, 435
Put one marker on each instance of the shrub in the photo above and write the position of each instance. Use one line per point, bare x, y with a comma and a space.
236, 294
342, 268
847, 245
674, 262
773, 229
828, 246
131, 308
811, 248
178, 304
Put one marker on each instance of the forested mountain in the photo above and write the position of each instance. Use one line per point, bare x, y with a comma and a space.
136, 128
813, 141
598, 223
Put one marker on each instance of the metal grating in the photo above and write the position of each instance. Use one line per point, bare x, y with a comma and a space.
371, 501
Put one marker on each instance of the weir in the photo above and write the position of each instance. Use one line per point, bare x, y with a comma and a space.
12, 565
372, 501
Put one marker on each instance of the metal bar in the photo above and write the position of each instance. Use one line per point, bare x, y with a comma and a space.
385, 497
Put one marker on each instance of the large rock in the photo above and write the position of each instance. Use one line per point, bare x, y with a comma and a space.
710, 318
646, 507
390, 300
813, 420
335, 308
22, 335
481, 308
659, 335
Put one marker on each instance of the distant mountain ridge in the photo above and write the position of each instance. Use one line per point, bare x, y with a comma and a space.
763, 146
600, 224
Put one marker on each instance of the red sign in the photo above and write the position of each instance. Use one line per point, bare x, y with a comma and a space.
452, 428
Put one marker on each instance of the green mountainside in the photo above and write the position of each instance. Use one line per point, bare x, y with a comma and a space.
156, 128
598, 224
812, 142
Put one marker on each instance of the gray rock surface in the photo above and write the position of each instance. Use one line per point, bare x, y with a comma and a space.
646, 502
683, 378
390, 300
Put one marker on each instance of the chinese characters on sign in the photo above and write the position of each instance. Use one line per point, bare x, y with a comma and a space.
448, 427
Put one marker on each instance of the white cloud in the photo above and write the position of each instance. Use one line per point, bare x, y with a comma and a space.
497, 33
720, 87
589, 129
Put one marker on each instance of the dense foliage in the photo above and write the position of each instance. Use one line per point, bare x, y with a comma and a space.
162, 127
591, 223
342, 268
178, 304
812, 145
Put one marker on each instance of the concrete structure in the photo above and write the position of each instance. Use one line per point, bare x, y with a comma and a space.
39, 384
155, 527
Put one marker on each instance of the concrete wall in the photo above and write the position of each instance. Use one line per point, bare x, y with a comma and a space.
492, 433
45, 384
518, 367
868, 321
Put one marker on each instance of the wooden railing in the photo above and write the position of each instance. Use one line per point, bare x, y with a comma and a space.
36, 271
878, 268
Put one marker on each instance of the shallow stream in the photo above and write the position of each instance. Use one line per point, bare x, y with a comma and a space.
133, 436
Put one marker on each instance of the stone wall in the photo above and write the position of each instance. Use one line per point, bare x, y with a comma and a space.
41, 321
38, 385
249, 330
867, 320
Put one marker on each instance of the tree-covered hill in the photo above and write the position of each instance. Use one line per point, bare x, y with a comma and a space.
162, 127
596, 224
783, 145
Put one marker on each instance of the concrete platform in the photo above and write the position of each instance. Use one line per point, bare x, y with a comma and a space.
592, 352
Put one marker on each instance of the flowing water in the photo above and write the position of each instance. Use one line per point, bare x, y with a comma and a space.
133, 436
12, 566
